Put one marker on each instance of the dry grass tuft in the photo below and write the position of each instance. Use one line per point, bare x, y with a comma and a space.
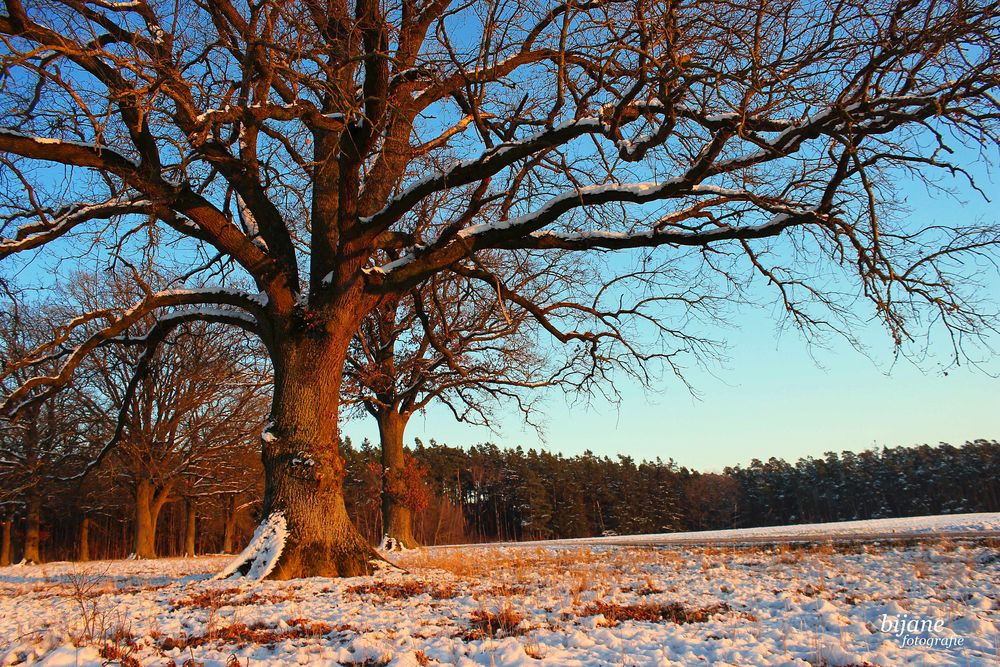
811, 590
257, 633
402, 590
534, 650
654, 613
120, 654
505, 622
230, 597
649, 588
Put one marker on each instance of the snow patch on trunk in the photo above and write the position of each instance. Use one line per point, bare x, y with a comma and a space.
261, 555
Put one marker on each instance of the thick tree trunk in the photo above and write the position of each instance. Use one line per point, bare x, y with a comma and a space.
229, 527
33, 529
145, 527
148, 503
397, 518
190, 518
84, 553
303, 467
6, 527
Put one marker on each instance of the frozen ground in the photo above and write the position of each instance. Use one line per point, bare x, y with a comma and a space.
793, 603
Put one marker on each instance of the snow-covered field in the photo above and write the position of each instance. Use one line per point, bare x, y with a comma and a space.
915, 526
825, 603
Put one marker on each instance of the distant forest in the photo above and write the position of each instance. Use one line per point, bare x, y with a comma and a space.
484, 493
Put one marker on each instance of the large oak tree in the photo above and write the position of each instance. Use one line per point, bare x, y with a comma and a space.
295, 143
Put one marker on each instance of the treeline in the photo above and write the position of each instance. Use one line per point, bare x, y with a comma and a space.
485, 493
873, 484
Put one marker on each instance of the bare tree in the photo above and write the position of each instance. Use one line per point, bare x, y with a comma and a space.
49, 441
195, 412
452, 341
222, 471
297, 142
233, 505
183, 421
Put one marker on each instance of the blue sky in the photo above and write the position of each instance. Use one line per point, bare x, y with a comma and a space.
774, 396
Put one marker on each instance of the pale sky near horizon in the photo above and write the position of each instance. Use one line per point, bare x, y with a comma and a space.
772, 400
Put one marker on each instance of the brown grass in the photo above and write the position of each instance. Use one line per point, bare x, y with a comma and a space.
520, 564
120, 654
504, 622
230, 597
257, 633
403, 589
654, 613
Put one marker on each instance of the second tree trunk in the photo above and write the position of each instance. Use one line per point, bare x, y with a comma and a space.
397, 516
190, 519
5, 529
84, 554
33, 529
148, 503
229, 528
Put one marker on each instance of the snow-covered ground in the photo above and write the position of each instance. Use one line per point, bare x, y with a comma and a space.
826, 603
914, 526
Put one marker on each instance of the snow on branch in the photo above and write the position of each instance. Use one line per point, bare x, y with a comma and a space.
55, 224
40, 387
151, 341
75, 153
609, 240
487, 164
524, 231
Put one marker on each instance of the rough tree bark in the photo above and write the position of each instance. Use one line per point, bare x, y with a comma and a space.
148, 503
190, 526
84, 551
32, 528
6, 527
229, 527
397, 517
303, 467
